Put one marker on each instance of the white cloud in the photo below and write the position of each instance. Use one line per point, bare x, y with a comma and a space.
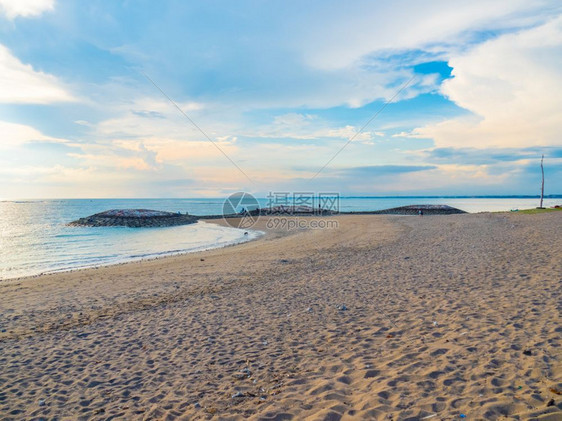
512, 86
309, 127
84, 123
25, 8
14, 134
147, 117
22, 84
344, 33
147, 134
362, 51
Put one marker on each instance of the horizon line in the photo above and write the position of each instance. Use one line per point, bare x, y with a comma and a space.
491, 196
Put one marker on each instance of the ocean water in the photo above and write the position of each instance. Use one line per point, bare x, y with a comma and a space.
34, 237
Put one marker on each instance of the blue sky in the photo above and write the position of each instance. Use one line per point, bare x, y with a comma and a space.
280, 87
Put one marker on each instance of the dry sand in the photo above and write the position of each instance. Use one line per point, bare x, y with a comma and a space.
446, 315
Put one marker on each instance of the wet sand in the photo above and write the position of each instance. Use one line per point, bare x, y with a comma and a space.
385, 317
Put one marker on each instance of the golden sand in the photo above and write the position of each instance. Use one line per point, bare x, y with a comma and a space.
385, 317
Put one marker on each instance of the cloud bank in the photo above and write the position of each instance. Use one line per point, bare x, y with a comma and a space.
22, 84
510, 84
281, 88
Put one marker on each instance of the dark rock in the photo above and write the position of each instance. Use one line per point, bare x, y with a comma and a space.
415, 210
134, 218
551, 403
527, 352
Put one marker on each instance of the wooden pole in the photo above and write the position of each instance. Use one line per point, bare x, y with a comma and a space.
542, 185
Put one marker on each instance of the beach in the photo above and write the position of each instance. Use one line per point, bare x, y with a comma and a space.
382, 317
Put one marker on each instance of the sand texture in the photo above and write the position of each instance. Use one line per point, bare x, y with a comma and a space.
385, 317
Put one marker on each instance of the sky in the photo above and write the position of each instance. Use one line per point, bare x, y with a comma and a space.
203, 99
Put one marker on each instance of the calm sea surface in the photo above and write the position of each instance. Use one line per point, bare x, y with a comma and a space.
34, 238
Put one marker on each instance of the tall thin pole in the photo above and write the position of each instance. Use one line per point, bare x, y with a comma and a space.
542, 186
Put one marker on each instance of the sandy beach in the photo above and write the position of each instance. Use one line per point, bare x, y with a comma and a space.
384, 317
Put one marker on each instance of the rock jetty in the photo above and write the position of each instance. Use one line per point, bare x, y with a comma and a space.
135, 218
415, 210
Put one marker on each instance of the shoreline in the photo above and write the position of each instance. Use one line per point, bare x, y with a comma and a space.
132, 259
386, 315
219, 220
213, 219
269, 235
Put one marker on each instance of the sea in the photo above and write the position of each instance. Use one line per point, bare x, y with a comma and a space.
35, 238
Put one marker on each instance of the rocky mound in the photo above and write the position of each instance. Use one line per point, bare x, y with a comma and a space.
135, 218
415, 210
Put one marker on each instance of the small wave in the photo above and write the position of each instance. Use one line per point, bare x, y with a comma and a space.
79, 235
